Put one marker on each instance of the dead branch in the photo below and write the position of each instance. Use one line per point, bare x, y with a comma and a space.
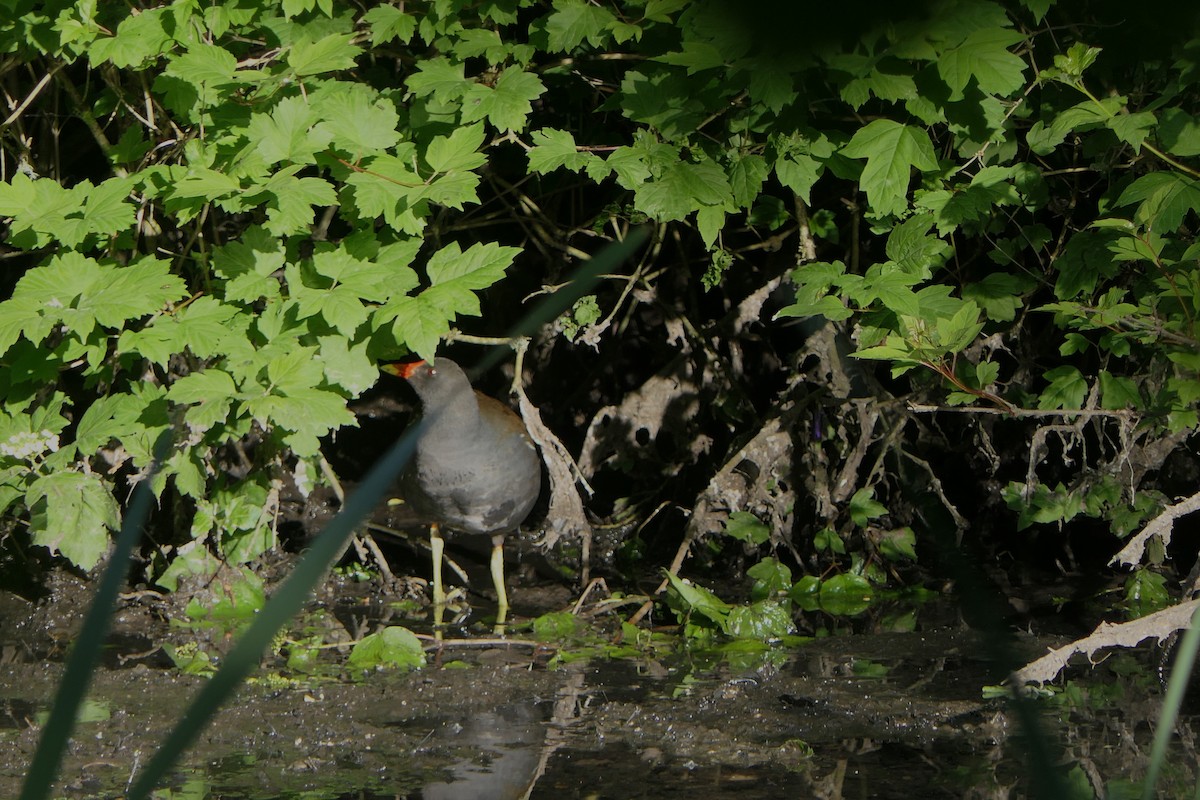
1158, 625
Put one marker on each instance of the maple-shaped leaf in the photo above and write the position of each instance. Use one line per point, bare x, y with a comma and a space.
288, 133
334, 52
891, 150
308, 413
684, 187
506, 105
477, 268
346, 365
1163, 199
71, 514
417, 323
249, 264
294, 370
201, 327
553, 149
106, 211
458, 151
387, 23
440, 77
984, 56
290, 207
210, 393
1067, 389
387, 186
80, 292
204, 64
356, 118
574, 21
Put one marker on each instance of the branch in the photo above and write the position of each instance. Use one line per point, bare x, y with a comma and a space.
1159, 625
1131, 554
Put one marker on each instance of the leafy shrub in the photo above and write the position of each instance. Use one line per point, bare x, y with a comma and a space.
287, 194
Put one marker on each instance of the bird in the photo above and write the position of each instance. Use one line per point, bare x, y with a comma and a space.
475, 468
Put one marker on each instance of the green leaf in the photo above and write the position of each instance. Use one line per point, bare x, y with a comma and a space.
1117, 392
553, 149
1146, 592
1042, 138
662, 100
458, 151
387, 23
1070, 66
95, 427
696, 599
205, 64
827, 306
864, 508
71, 514
682, 188
328, 54
206, 184
1179, 132
891, 150
290, 209
799, 173
913, 249
106, 211
1132, 128
393, 646
347, 366
899, 545
249, 265
998, 294
556, 626
745, 527
1067, 389
440, 78
387, 186
308, 413
507, 105
1164, 199
44, 212
80, 292
765, 620
139, 38
289, 133
956, 332
203, 328
747, 173
770, 579
828, 539
846, 594
355, 119
986, 373
573, 21
211, 393
984, 56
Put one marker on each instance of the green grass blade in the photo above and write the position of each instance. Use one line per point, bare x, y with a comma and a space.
1181, 674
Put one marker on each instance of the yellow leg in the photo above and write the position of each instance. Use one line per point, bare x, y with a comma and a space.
438, 546
498, 582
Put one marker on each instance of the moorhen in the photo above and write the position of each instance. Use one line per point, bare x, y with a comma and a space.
475, 468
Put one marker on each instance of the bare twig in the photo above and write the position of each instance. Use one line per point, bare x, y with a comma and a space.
1158, 625
1131, 553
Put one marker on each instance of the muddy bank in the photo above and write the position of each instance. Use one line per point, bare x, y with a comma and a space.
875, 714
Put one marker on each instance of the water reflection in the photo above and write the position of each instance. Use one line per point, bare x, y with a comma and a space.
500, 754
